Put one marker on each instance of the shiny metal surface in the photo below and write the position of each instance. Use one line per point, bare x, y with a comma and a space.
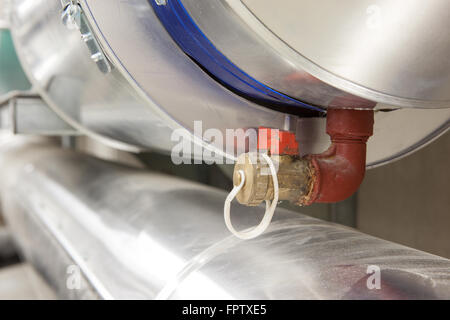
260, 57
30, 115
154, 88
385, 51
137, 234
402, 132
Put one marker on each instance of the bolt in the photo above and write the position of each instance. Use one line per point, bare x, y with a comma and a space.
161, 2
71, 16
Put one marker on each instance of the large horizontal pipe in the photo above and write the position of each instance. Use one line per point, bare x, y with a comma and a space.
139, 234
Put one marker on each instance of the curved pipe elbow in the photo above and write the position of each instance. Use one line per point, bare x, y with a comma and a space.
339, 171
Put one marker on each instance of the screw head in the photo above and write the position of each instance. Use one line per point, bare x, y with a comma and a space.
71, 17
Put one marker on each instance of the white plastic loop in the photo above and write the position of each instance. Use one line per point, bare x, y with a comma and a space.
270, 206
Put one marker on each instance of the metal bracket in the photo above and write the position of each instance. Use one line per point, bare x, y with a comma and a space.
24, 112
73, 17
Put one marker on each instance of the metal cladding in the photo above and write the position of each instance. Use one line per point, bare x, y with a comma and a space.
187, 34
323, 51
123, 80
138, 234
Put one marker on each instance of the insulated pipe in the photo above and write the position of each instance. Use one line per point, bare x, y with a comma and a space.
138, 234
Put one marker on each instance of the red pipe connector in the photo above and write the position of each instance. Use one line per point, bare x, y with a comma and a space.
339, 171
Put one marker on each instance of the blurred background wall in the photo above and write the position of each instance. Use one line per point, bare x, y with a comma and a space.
408, 201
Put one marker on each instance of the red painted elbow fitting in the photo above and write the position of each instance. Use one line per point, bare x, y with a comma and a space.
339, 171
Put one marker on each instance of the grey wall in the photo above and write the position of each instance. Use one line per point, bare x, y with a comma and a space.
408, 201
